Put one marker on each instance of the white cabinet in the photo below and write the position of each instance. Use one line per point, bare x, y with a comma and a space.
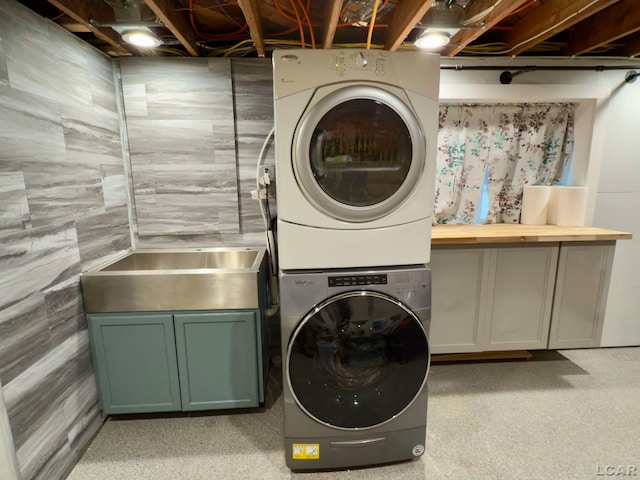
496, 298
458, 299
584, 271
521, 294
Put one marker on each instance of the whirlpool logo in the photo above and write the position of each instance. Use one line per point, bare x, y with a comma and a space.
305, 283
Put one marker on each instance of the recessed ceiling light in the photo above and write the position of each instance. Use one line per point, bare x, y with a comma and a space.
141, 38
432, 40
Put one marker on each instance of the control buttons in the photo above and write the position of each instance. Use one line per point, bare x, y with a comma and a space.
357, 280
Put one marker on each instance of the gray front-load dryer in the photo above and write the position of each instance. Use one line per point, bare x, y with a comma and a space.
355, 363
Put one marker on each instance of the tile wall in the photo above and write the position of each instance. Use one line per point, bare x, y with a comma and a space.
63, 210
196, 127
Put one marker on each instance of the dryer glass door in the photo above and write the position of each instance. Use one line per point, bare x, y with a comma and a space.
359, 153
357, 360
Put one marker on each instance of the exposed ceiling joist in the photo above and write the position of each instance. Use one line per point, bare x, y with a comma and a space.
464, 37
478, 9
177, 22
251, 10
73, 25
631, 46
548, 19
495, 27
408, 13
620, 19
330, 21
84, 11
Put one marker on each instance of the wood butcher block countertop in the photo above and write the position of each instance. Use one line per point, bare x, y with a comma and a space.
515, 233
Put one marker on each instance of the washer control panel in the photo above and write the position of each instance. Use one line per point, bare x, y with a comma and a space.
300, 289
355, 280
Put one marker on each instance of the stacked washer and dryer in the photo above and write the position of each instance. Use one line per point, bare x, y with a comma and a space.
355, 143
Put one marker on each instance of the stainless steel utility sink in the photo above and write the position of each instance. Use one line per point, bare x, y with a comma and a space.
170, 280
220, 259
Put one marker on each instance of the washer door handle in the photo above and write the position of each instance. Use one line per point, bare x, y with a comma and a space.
359, 443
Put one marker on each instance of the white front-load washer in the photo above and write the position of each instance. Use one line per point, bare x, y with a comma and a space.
355, 363
355, 143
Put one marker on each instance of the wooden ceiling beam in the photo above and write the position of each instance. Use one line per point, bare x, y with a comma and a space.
330, 21
251, 10
631, 46
177, 22
616, 21
72, 25
84, 11
548, 19
407, 14
477, 10
464, 37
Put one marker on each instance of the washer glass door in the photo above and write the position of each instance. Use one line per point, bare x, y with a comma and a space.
359, 153
357, 360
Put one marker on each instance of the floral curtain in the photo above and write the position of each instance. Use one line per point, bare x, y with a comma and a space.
463, 152
511, 144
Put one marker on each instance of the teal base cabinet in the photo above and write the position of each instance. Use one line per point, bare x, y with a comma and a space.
178, 361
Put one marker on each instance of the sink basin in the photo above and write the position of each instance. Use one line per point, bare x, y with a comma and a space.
171, 280
221, 259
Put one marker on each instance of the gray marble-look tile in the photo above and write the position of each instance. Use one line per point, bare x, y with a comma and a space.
24, 336
178, 241
147, 69
167, 100
33, 260
92, 135
135, 100
4, 74
179, 214
170, 141
171, 97
57, 193
185, 200
103, 236
223, 134
251, 137
114, 187
176, 88
197, 241
65, 310
52, 418
253, 95
45, 386
14, 214
101, 81
30, 128
62, 462
44, 62
253, 89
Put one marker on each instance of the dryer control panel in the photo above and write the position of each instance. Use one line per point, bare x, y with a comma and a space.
296, 70
344, 62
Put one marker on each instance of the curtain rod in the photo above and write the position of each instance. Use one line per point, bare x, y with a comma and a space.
507, 75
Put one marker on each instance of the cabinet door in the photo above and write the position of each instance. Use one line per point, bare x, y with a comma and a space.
519, 309
135, 362
217, 359
584, 271
458, 299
